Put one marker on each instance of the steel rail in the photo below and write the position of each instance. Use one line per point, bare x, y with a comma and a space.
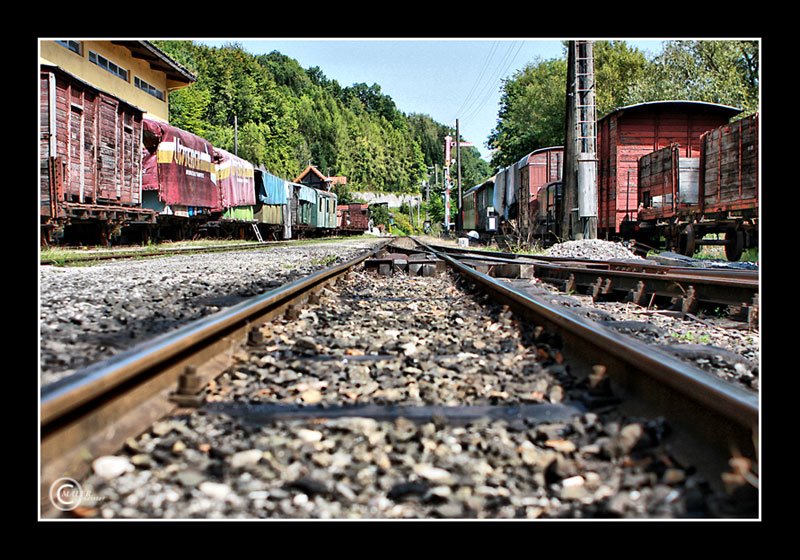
133, 253
621, 265
97, 409
712, 419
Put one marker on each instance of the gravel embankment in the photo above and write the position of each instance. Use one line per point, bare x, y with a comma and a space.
402, 341
91, 313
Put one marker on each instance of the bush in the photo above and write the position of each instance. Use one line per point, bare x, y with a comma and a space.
402, 223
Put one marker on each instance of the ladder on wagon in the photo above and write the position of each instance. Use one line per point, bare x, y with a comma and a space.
258, 233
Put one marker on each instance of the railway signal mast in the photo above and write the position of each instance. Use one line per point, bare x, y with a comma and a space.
580, 159
448, 140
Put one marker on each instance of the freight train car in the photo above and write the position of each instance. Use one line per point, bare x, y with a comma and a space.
468, 200
90, 159
352, 217
547, 219
178, 177
535, 171
271, 211
236, 181
683, 199
628, 133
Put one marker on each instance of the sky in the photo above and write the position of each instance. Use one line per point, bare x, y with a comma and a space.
447, 79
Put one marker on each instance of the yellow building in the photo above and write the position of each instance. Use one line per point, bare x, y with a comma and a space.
137, 72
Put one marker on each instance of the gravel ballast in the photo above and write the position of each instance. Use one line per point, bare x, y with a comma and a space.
402, 341
91, 313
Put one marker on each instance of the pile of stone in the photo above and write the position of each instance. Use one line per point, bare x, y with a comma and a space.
591, 249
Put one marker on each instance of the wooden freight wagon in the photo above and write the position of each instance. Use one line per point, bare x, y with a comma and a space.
90, 158
302, 206
628, 133
685, 199
352, 217
729, 183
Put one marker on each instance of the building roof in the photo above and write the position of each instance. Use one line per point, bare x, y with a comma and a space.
732, 111
306, 171
337, 180
158, 60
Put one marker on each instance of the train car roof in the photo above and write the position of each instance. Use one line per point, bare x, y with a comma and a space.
479, 186
732, 111
524, 161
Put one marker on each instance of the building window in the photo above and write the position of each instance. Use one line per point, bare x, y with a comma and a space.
144, 86
74, 46
106, 64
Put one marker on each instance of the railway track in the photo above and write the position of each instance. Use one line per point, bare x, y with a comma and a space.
685, 289
105, 255
441, 406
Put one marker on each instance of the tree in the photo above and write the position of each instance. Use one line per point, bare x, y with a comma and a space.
715, 71
618, 67
532, 109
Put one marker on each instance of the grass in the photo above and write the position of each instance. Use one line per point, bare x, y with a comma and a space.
82, 256
691, 338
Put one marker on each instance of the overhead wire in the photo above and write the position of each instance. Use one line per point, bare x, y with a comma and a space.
468, 98
494, 82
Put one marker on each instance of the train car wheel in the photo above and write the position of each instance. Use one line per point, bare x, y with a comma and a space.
687, 241
734, 244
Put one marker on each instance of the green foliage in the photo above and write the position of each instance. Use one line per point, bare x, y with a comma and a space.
379, 214
402, 224
532, 110
474, 169
617, 68
716, 71
429, 134
288, 116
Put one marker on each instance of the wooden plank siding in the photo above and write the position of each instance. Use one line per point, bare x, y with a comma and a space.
627, 134
90, 139
729, 177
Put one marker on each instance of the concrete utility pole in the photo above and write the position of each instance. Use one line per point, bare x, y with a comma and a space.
579, 219
235, 135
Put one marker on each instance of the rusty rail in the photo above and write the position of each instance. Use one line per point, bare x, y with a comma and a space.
94, 411
713, 420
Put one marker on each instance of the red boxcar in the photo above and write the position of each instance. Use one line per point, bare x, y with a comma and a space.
90, 154
628, 133
178, 171
535, 170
